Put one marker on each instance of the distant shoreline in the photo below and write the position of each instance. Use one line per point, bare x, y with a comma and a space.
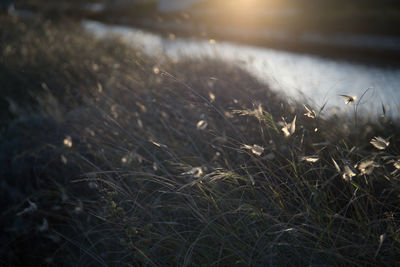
378, 47
367, 55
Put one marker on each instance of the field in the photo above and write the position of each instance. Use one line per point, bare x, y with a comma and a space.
110, 157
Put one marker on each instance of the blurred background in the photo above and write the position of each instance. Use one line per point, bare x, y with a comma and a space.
362, 30
314, 49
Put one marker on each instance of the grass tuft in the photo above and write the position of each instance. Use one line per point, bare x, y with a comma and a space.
107, 161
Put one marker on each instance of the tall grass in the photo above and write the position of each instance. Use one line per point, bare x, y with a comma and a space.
132, 160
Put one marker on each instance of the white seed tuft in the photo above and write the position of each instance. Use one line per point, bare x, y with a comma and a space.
348, 99
396, 164
202, 125
67, 141
212, 96
310, 112
379, 142
348, 173
367, 167
288, 129
156, 70
196, 172
255, 149
311, 159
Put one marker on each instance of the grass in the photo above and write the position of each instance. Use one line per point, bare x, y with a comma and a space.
111, 157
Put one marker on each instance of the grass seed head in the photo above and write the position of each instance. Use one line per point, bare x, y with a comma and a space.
68, 141
202, 125
396, 164
255, 149
311, 159
310, 112
348, 99
212, 96
288, 129
348, 173
156, 70
196, 172
367, 167
379, 142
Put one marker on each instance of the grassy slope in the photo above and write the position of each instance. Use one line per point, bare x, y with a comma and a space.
142, 183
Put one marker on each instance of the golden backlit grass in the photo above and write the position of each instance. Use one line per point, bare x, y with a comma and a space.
111, 157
